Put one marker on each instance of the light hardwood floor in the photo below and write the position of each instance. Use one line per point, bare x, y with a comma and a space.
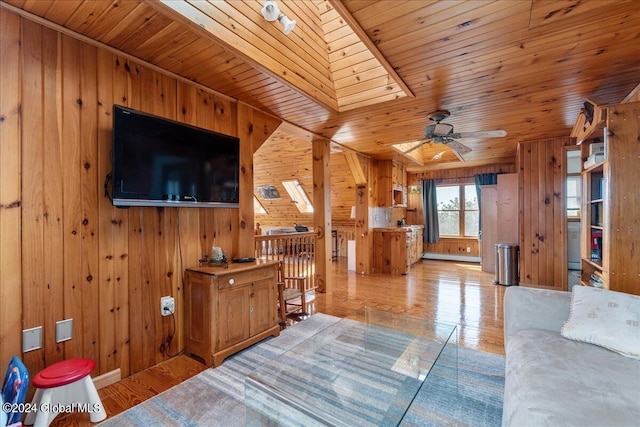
445, 291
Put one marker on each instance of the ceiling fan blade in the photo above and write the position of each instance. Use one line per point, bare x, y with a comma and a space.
458, 147
480, 134
415, 147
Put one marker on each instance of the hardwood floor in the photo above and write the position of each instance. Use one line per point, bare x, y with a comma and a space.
445, 291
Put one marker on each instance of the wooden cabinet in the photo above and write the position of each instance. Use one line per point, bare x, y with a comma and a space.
489, 238
611, 202
392, 184
416, 244
391, 251
499, 217
508, 230
398, 175
229, 309
396, 249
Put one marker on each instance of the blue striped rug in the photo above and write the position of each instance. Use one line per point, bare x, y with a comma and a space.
215, 397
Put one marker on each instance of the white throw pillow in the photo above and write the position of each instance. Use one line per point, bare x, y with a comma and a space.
606, 318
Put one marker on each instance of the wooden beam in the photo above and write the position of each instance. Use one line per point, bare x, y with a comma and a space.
363, 235
245, 212
356, 168
362, 35
322, 211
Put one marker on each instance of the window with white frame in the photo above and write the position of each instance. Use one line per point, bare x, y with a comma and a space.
458, 210
298, 195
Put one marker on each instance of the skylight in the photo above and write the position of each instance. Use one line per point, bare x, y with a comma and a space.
298, 195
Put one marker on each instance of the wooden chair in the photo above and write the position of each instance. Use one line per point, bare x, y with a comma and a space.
289, 290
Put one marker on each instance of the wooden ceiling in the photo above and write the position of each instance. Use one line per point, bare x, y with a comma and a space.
365, 74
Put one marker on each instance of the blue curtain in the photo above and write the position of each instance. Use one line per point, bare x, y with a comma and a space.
483, 179
430, 211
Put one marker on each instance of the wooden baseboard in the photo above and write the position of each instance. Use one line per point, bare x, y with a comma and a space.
108, 378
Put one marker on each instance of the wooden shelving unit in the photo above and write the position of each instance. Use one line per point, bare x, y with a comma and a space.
611, 200
593, 217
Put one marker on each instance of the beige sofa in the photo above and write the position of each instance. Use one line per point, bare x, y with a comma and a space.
554, 381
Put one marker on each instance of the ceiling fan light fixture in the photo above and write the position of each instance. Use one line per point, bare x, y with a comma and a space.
270, 11
442, 129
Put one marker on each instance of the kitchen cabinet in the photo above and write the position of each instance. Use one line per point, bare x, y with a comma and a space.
397, 248
392, 184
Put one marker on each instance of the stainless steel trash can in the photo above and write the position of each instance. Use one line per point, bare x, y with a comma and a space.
507, 272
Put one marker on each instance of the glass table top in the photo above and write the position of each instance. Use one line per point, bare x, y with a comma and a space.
364, 370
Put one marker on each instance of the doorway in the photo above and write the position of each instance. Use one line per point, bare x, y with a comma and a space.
573, 190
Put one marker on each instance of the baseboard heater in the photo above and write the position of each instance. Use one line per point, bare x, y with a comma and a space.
451, 257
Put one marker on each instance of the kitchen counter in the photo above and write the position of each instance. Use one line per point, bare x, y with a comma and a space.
397, 248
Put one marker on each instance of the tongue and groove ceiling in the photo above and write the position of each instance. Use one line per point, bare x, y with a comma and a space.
365, 74
316, 60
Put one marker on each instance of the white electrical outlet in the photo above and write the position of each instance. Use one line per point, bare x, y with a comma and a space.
468, 249
167, 305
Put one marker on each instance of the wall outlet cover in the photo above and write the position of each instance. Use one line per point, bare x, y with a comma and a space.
31, 339
64, 330
167, 305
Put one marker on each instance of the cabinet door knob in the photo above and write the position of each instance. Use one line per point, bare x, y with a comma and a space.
231, 281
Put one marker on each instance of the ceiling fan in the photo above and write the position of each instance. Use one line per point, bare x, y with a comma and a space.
442, 133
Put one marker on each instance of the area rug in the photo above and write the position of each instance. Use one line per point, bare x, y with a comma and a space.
215, 397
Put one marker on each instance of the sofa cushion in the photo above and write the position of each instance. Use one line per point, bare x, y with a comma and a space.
605, 318
553, 381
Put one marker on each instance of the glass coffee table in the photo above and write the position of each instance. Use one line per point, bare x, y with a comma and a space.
360, 371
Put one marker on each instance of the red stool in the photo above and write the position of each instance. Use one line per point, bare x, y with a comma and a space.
65, 387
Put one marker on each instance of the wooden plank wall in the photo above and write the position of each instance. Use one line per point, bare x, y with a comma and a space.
622, 199
66, 251
543, 255
449, 246
458, 175
10, 198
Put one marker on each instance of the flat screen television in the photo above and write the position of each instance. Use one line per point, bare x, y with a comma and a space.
161, 162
